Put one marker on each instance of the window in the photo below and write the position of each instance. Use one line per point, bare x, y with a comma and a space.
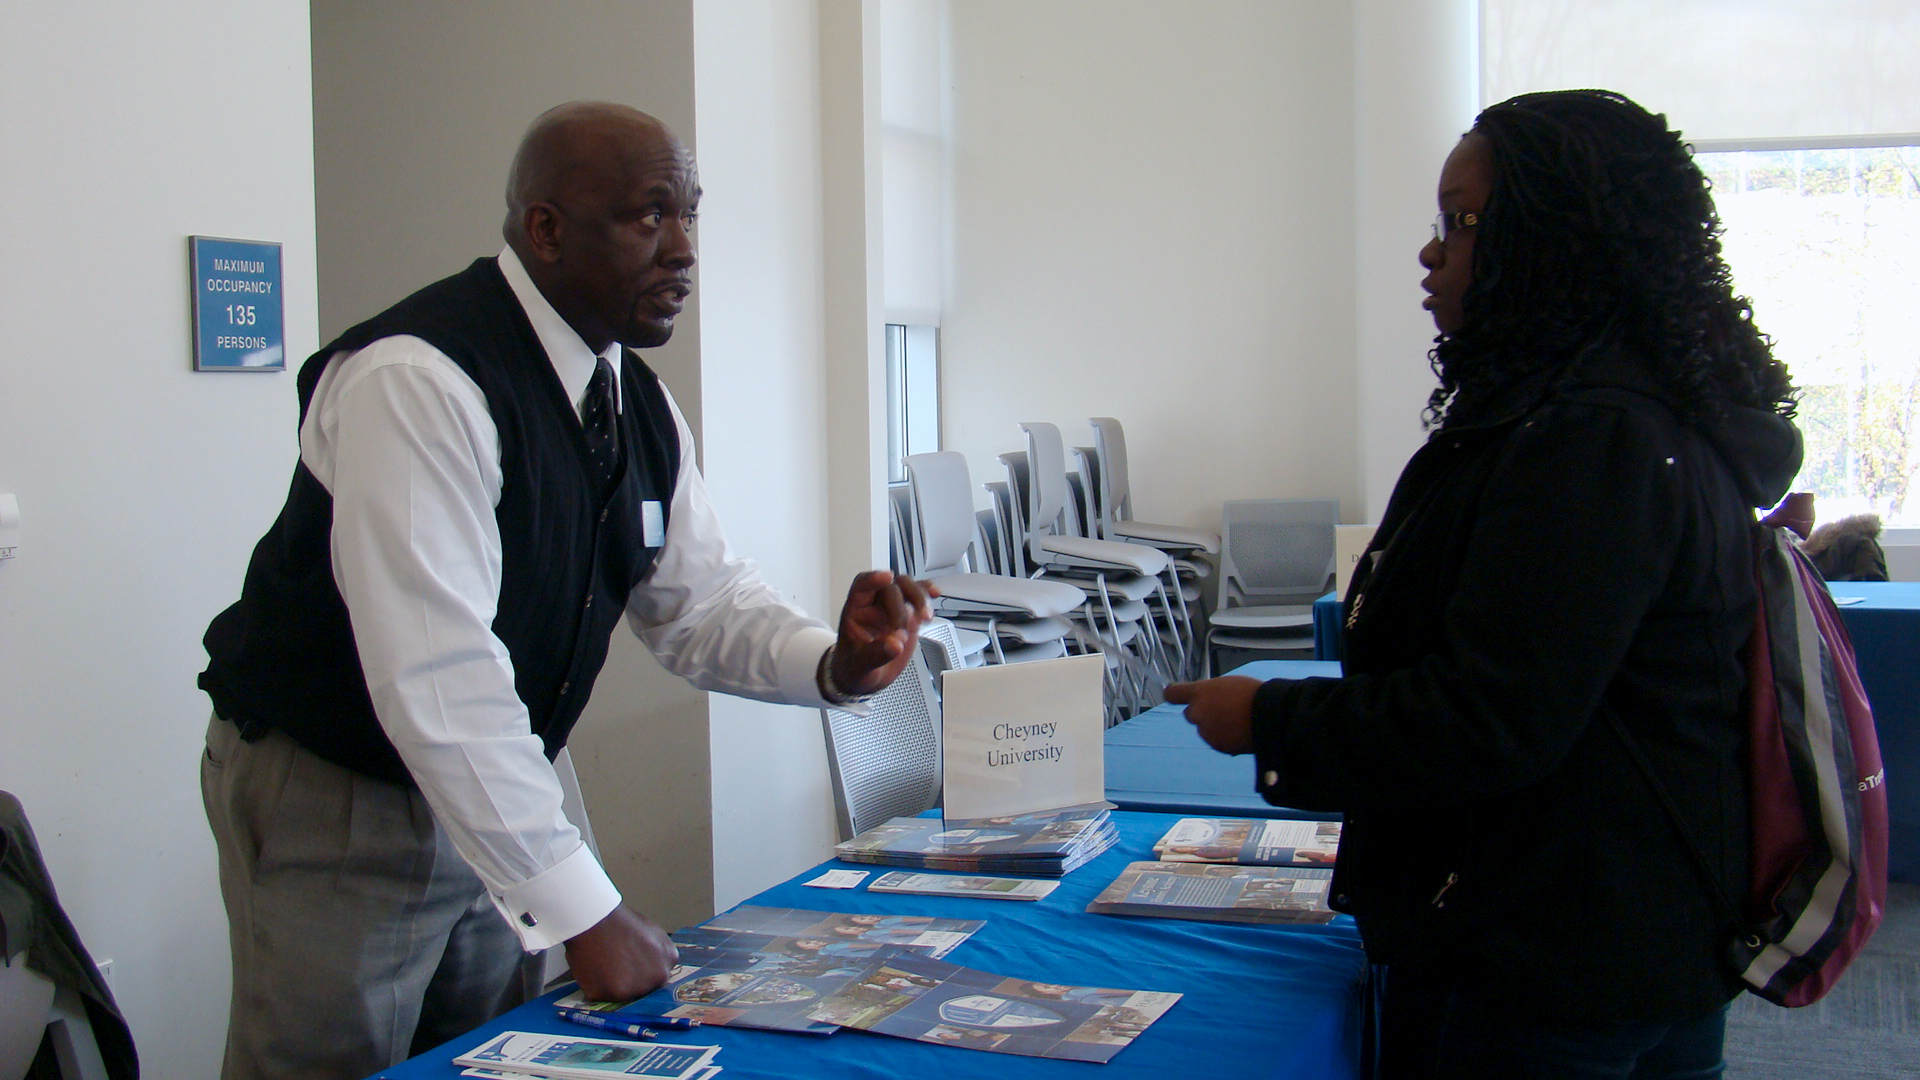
913, 395
1825, 242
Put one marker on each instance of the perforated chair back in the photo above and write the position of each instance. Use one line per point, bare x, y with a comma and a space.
1276, 551
887, 763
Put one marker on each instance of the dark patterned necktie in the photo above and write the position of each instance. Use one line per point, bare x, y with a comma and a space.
598, 422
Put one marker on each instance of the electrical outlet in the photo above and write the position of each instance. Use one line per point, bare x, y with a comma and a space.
106, 971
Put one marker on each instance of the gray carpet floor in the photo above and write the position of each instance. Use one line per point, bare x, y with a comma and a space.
1866, 1028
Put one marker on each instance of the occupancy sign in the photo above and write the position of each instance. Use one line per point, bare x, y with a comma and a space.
238, 318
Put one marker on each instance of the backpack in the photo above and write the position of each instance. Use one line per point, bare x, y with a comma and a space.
1817, 876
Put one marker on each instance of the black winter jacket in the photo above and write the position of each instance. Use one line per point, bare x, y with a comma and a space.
1536, 570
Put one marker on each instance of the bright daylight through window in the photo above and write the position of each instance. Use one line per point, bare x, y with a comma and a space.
1826, 244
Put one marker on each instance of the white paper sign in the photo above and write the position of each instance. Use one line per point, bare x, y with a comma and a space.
1349, 543
1023, 737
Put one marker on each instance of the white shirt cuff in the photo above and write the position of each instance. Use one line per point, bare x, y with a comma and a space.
799, 670
563, 900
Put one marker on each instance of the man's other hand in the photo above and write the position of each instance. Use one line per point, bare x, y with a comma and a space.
621, 957
1221, 708
879, 628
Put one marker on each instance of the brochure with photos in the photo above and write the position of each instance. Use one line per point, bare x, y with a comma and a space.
937, 937
932, 1001
1265, 842
529, 1053
1219, 893
986, 888
732, 978
1047, 843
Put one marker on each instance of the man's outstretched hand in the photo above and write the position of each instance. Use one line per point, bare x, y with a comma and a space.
1221, 708
621, 957
879, 627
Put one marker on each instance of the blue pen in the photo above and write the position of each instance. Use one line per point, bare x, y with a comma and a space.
595, 1020
672, 1023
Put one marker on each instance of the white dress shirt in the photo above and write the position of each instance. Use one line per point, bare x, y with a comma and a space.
402, 440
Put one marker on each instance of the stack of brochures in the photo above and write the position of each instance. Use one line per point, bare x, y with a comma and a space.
1047, 843
1218, 893
1266, 842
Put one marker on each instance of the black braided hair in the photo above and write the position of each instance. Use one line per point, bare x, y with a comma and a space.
1600, 230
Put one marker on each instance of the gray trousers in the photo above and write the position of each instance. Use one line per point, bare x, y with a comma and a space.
359, 935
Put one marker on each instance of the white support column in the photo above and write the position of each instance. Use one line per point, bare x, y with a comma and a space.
1416, 78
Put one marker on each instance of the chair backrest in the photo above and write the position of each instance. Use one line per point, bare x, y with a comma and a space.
902, 537
1086, 462
1014, 511
1110, 453
1048, 494
887, 763
941, 516
1276, 551
993, 552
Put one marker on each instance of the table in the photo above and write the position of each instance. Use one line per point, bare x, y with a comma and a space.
1885, 628
1157, 761
1261, 1001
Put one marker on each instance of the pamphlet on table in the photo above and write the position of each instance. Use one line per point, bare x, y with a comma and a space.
934, 935
765, 968
1250, 842
568, 1058
1219, 893
986, 888
932, 1001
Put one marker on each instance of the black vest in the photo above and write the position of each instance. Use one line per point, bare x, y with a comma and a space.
283, 657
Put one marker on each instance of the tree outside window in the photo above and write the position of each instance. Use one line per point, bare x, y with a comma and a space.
1826, 245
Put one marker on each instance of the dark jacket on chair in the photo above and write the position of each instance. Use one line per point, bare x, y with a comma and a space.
32, 919
1549, 558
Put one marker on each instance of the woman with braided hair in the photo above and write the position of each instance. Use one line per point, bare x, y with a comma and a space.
1564, 566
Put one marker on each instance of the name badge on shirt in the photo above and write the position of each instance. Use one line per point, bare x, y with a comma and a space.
653, 525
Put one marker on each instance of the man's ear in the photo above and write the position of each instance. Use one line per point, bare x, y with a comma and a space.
543, 224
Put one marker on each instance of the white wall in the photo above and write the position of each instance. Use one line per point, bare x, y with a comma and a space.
1153, 220
1414, 73
763, 296
125, 127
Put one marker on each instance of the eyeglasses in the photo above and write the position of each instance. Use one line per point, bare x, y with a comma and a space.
1452, 221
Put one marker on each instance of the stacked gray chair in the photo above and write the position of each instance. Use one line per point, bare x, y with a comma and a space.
1105, 463
1276, 559
1118, 578
1023, 619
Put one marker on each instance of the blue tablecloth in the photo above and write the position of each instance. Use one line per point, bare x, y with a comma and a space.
1157, 762
1885, 628
1261, 1001
1326, 627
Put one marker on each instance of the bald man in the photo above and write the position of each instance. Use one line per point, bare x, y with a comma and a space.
488, 480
